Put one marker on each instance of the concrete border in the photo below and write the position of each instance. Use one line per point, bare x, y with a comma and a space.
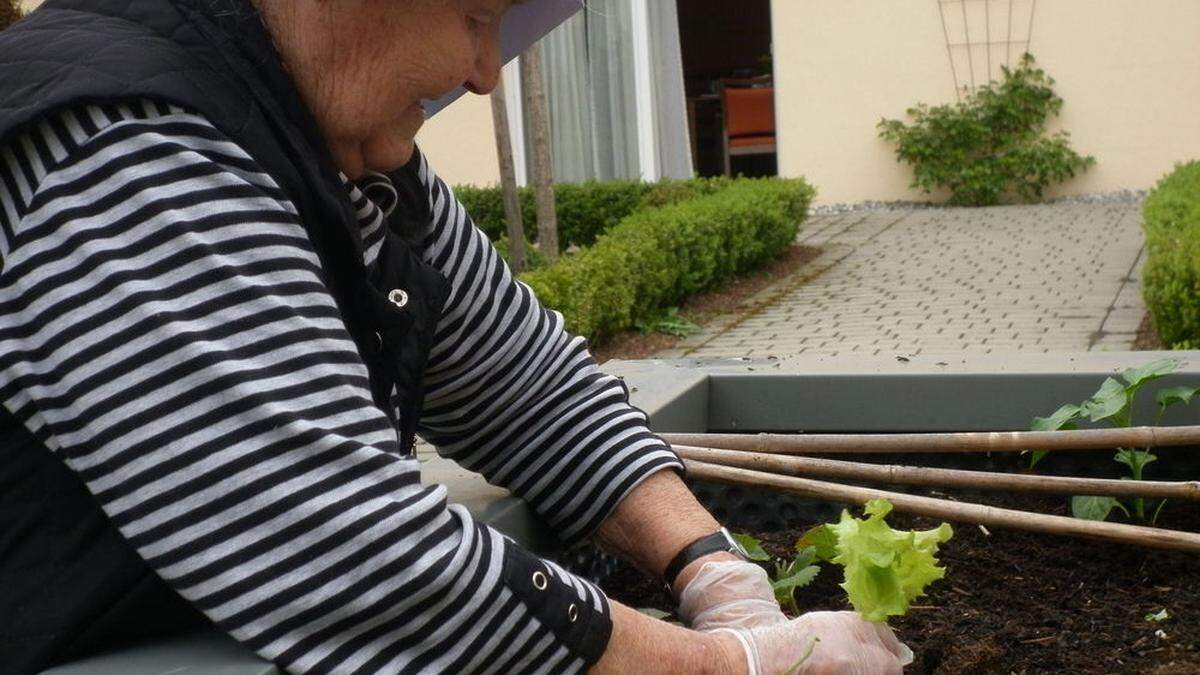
967, 392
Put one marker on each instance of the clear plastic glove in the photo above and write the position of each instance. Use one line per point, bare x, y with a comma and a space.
823, 643
729, 594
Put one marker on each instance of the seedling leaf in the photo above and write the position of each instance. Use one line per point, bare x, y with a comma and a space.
1095, 508
800, 578
1110, 401
822, 540
1136, 377
1136, 460
885, 569
1059, 419
1159, 616
752, 547
1172, 395
1063, 418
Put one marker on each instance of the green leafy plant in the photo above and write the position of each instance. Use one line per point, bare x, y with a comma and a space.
669, 323
884, 569
534, 258
1171, 276
1113, 404
992, 144
656, 258
786, 576
585, 210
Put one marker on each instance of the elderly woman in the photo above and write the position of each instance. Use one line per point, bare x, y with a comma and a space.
232, 292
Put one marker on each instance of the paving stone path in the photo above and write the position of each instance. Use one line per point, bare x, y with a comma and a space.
1045, 278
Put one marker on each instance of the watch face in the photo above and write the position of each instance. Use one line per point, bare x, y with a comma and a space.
734, 546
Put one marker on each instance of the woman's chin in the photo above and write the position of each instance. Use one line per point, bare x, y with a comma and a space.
388, 155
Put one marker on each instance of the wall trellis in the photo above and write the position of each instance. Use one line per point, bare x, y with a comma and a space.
980, 38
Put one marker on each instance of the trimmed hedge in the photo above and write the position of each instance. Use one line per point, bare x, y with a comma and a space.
1171, 277
657, 257
585, 210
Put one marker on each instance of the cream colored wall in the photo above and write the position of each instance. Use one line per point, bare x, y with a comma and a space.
460, 143
1128, 70
29, 5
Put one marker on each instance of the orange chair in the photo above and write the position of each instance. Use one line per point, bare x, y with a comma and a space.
749, 121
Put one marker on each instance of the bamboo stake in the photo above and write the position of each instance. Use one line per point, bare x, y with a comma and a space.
988, 441
914, 475
962, 512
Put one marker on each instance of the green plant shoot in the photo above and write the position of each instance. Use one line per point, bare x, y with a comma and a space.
1113, 404
884, 569
786, 576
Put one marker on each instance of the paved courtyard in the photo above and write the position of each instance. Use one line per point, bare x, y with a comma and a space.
1044, 278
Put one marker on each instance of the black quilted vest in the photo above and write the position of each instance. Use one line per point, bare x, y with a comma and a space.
68, 583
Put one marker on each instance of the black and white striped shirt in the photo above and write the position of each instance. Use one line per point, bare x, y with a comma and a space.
164, 331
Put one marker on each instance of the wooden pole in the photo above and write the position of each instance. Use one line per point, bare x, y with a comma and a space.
961, 512
952, 478
508, 181
993, 441
543, 168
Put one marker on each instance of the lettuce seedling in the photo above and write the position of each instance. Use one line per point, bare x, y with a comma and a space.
1113, 404
786, 576
885, 569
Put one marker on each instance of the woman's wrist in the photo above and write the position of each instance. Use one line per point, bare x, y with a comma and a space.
730, 652
638, 639
638, 532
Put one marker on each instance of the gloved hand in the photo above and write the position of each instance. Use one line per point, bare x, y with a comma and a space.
729, 594
823, 643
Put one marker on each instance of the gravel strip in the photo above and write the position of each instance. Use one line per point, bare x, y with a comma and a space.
1118, 197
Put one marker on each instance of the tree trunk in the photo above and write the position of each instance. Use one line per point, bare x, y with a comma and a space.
10, 11
543, 171
508, 181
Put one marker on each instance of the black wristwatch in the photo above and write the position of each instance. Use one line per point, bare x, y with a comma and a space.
720, 540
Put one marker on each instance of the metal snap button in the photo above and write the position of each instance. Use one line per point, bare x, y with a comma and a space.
398, 297
572, 613
540, 581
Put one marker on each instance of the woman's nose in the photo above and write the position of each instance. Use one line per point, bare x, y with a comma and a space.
486, 73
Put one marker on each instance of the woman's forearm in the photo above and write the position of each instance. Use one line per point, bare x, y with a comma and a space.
641, 644
653, 524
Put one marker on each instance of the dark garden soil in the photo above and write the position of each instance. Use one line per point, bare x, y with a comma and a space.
1147, 338
1016, 602
704, 307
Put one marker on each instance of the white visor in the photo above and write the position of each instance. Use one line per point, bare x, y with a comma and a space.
524, 25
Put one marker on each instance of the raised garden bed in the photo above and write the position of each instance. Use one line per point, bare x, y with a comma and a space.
1011, 602
1016, 602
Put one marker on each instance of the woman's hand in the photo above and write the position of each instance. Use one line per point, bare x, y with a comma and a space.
729, 594
823, 643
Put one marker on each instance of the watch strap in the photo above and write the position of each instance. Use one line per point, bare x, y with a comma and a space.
717, 541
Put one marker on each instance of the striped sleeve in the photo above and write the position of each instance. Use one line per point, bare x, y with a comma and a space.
512, 395
165, 332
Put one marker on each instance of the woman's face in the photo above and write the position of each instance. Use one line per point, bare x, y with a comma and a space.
364, 66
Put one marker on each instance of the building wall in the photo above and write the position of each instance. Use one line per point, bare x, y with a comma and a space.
460, 143
29, 5
1129, 73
